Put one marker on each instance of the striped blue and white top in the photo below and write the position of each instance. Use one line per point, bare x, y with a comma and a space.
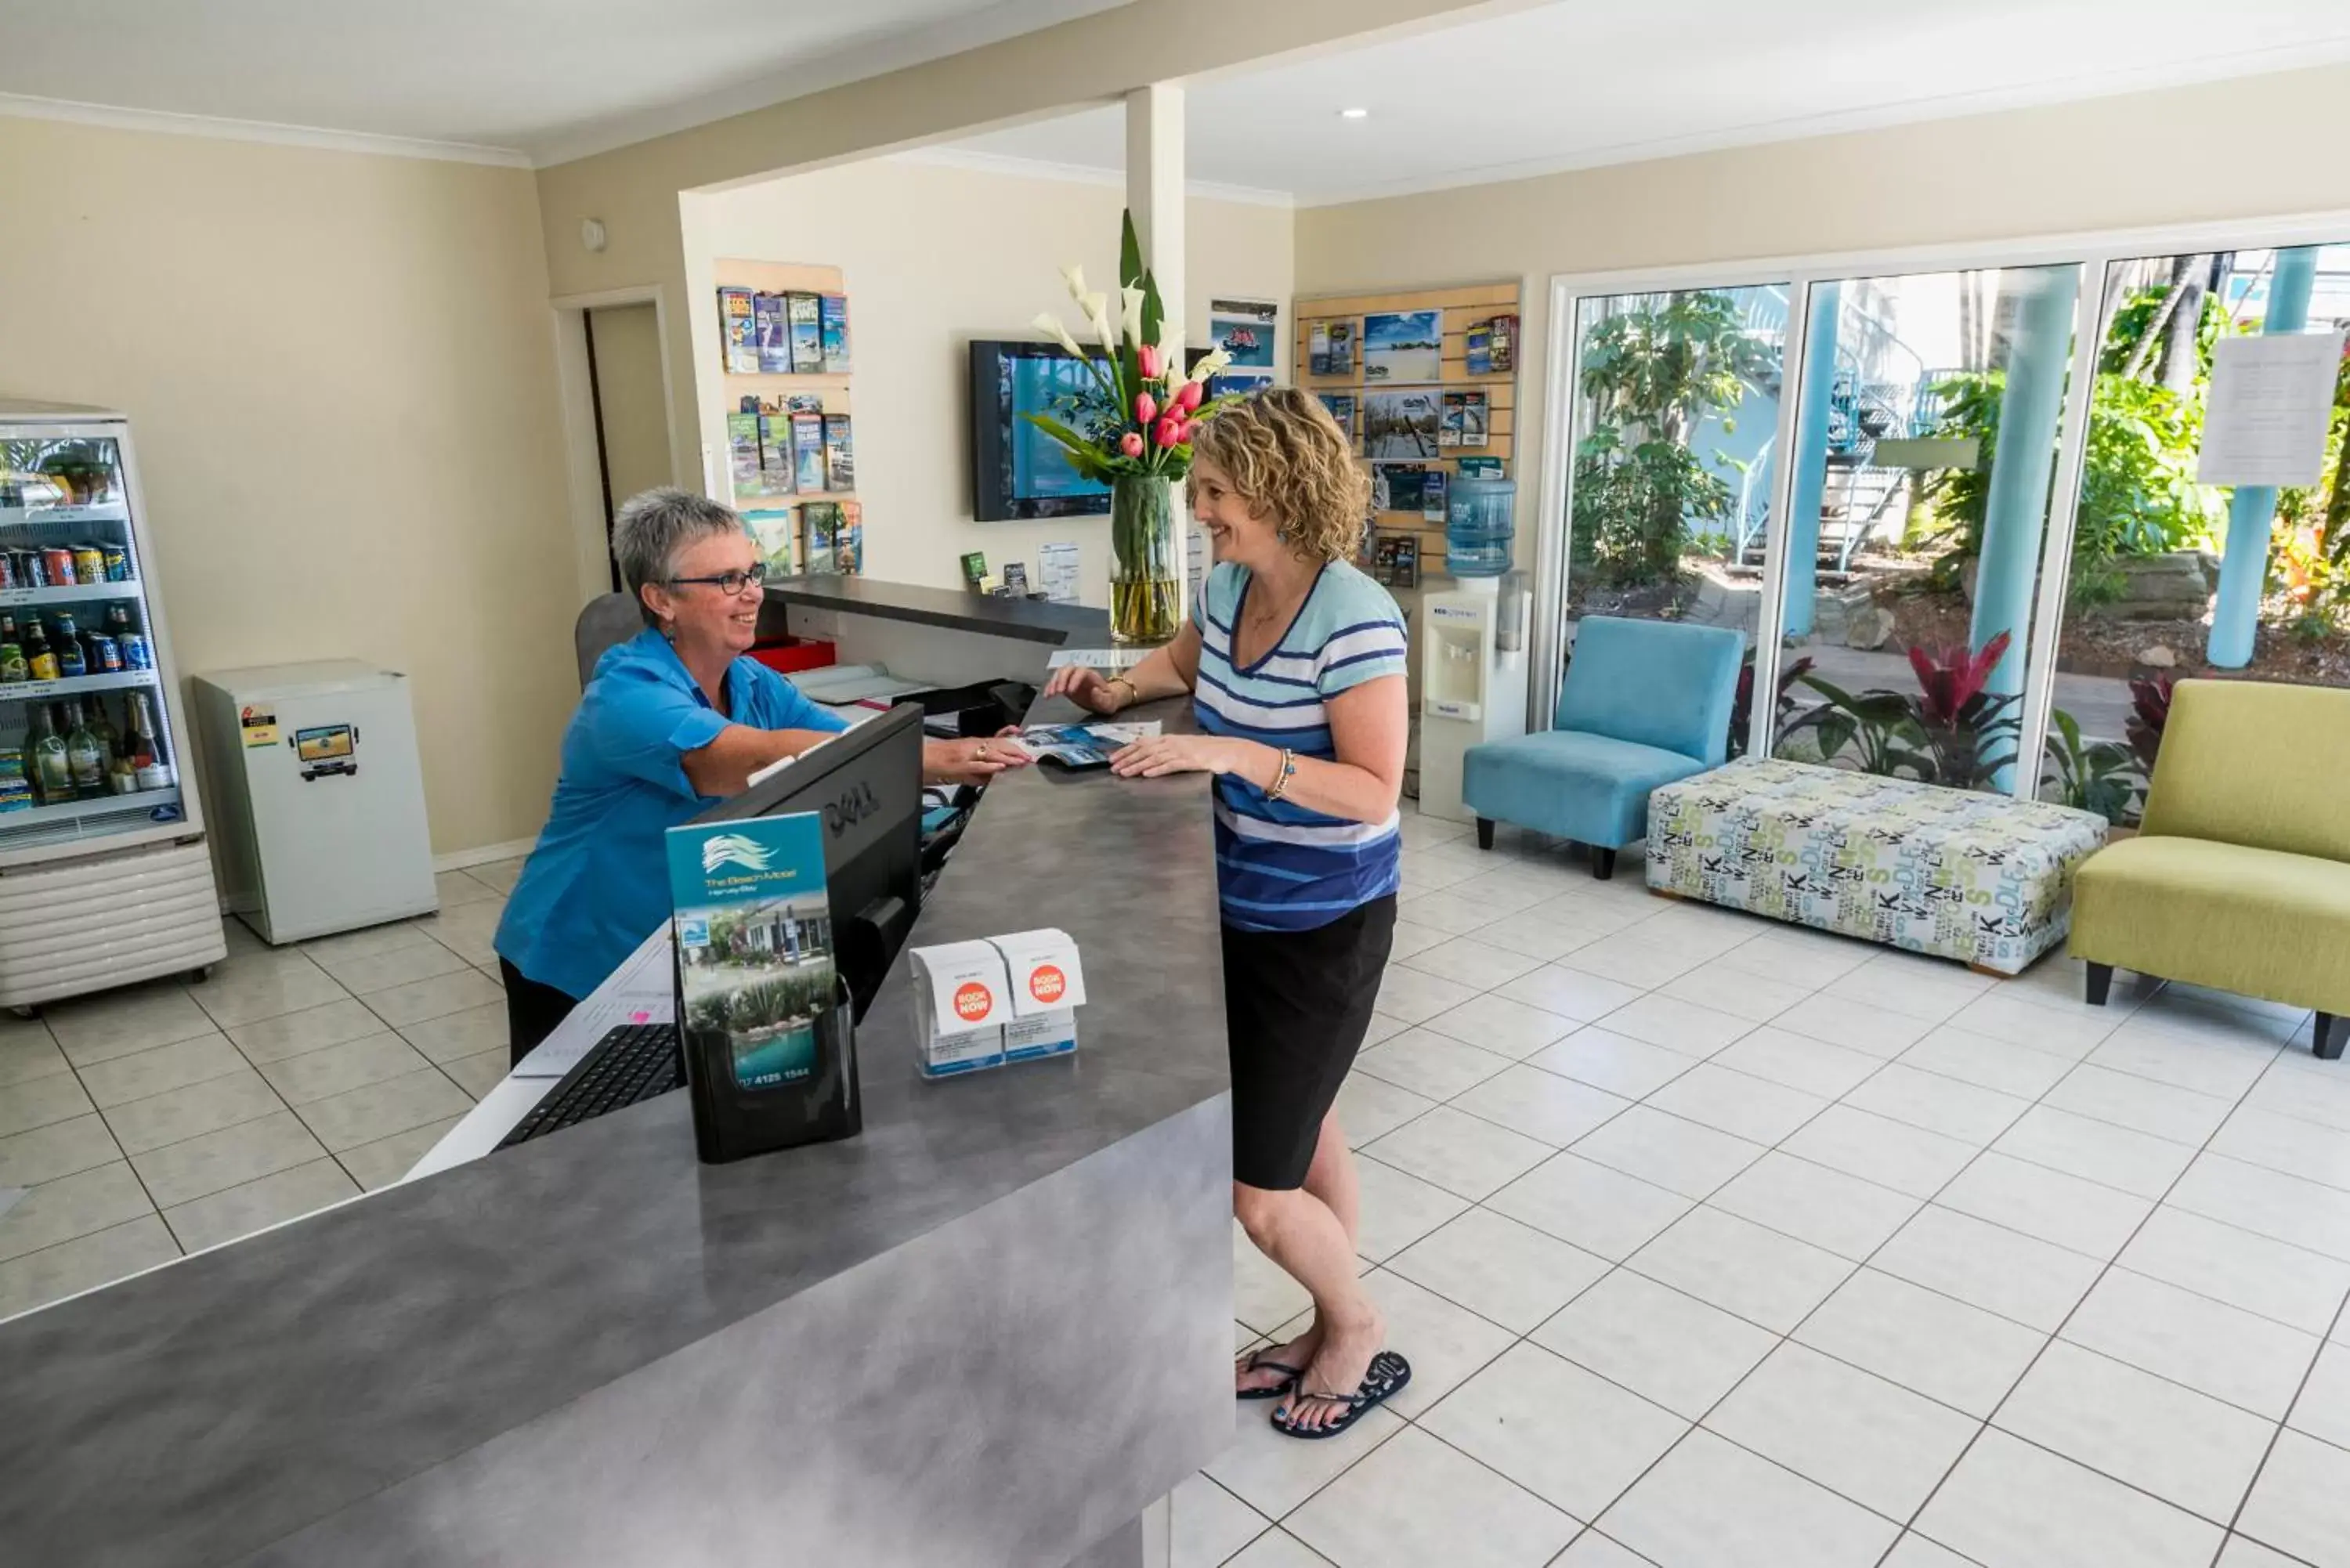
1279, 867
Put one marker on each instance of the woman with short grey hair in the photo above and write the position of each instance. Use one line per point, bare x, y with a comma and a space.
673, 720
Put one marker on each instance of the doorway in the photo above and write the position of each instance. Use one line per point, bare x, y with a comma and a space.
626, 393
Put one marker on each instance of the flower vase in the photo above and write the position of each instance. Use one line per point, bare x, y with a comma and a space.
1146, 584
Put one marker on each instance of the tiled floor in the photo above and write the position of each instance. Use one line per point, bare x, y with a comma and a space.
1716, 1243
1713, 1242
164, 1118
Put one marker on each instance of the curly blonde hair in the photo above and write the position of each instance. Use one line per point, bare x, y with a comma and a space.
1289, 461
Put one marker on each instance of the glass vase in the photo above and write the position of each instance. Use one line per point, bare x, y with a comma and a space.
1146, 584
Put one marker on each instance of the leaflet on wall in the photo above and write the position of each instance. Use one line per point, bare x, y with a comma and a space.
2272, 399
738, 330
1057, 572
1244, 330
1317, 358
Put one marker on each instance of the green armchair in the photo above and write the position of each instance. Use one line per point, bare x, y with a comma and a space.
2240, 880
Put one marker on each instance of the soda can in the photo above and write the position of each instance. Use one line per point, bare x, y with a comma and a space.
118, 563
32, 570
58, 561
135, 651
105, 653
9, 570
89, 563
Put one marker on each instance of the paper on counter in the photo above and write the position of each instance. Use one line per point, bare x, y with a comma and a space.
643, 990
1115, 660
2271, 398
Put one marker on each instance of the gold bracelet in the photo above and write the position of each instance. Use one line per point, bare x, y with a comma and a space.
1132, 695
1280, 778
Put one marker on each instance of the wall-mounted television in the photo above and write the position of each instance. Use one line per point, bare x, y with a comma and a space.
1018, 472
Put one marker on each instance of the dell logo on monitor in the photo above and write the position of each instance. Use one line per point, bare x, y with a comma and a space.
853, 807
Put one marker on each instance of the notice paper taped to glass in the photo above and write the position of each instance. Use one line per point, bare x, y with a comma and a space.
2272, 396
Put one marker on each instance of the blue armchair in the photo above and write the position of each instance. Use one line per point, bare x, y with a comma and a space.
1645, 703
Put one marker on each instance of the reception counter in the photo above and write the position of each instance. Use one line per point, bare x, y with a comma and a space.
992, 1330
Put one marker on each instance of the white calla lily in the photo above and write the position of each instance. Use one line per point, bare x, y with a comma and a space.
1050, 326
1075, 276
1214, 361
1129, 303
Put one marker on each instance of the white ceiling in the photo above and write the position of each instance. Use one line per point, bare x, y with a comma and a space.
539, 81
1585, 82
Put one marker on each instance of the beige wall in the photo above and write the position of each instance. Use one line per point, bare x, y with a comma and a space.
2257, 147
632, 404
341, 376
997, 243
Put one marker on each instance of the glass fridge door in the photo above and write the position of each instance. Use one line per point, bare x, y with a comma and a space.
87, 750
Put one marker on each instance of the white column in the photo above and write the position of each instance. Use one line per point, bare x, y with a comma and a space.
1154, 194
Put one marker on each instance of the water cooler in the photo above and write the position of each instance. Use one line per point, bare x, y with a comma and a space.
1472, 668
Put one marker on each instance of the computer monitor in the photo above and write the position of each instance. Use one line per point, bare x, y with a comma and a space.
866, 786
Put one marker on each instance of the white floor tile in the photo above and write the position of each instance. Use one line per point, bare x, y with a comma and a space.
2017, 1276
1471, 961
2283, 1208
1416, 1501
1676, 1025
1279, 1549
1991, 1063
1592, 1549
1733, 1102
1963, 1111
2186, 1447
1843, 1214
1572, 1438
2099, 1151
1499, 1269
1860, 1437
2071, 1033
2320, 1097
289, 1194
2301, 1504
2182, 1116
1492, 1022
1799, 956
1398, 1209
2065, 1210
1878, 1011
2011, 1505
1811, 1065
1415, 997
1459, 1153
1711, 1504
2221, 1067
1668, 1347
1593, 1207
1446, 1344
2323, 1409
1208, 1524
1636, 957
2223, 1351
84, 1263
2227, 1263
1669, 1151
1942, 1348
1757, 998
78, 1204
1371, 1107
1541, 1105
1273, 1472
1914, 1551
1571, 993
1429, 1063
1441, 911
1410, 938
1263, 1297
2306, 1149
1889, 1153
1760, 1275
1610, 1061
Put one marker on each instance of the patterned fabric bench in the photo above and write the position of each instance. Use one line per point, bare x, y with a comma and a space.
1983, 878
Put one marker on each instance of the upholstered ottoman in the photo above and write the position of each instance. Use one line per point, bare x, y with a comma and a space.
1983, 878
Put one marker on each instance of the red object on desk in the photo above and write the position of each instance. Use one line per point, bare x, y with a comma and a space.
795, 653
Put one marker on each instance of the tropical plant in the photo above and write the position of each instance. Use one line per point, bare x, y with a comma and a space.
1648, 376
2150, 713
1883, 725
2090, 775
1741, 707
1952, 731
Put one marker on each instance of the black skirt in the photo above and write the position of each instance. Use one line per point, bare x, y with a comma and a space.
1297, 1004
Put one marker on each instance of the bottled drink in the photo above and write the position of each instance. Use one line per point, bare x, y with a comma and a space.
13, 666
85, 756
45, 766
119, 619
122, 772
109, 739
71, 662
148, 759
40, 658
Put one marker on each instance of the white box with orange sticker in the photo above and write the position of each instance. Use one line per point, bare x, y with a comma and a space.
983, 1004
1047, 988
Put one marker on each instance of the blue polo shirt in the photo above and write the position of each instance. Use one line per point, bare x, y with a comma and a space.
597, 882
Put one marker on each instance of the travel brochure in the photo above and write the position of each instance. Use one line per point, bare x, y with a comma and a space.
1081, 747
1331, 348
1465, 420
755, 955
1400, 424
1342, 408
793, 333
1403, 346
817, 537
1491, 347
1409, 487
1244, 329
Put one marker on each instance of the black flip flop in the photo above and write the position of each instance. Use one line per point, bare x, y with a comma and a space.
1257, 1363
1388, 1377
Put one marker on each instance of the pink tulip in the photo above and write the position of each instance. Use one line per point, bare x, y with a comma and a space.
1188, 397
1147, 360
1131, 443
1146, 407
1170, 431
1184, 434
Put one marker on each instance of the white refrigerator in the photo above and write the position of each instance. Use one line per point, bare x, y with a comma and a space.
317, 797
105, 878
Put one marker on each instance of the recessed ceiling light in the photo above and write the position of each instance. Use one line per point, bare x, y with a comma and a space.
1354, 114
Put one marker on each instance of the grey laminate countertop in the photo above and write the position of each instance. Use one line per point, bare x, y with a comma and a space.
1030, 620
198, 1414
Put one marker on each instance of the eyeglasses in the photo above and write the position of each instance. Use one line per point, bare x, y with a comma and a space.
728, 582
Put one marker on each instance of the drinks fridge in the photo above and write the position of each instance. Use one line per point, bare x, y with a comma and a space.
105, 878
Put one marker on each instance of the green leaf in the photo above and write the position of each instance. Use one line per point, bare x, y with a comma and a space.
1083, 456
1129, 253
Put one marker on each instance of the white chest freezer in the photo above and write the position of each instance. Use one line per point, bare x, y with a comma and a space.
319, 808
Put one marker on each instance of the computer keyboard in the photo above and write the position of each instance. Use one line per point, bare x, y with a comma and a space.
633, 1062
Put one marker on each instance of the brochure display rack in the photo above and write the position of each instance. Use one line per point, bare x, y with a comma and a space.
787, 346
